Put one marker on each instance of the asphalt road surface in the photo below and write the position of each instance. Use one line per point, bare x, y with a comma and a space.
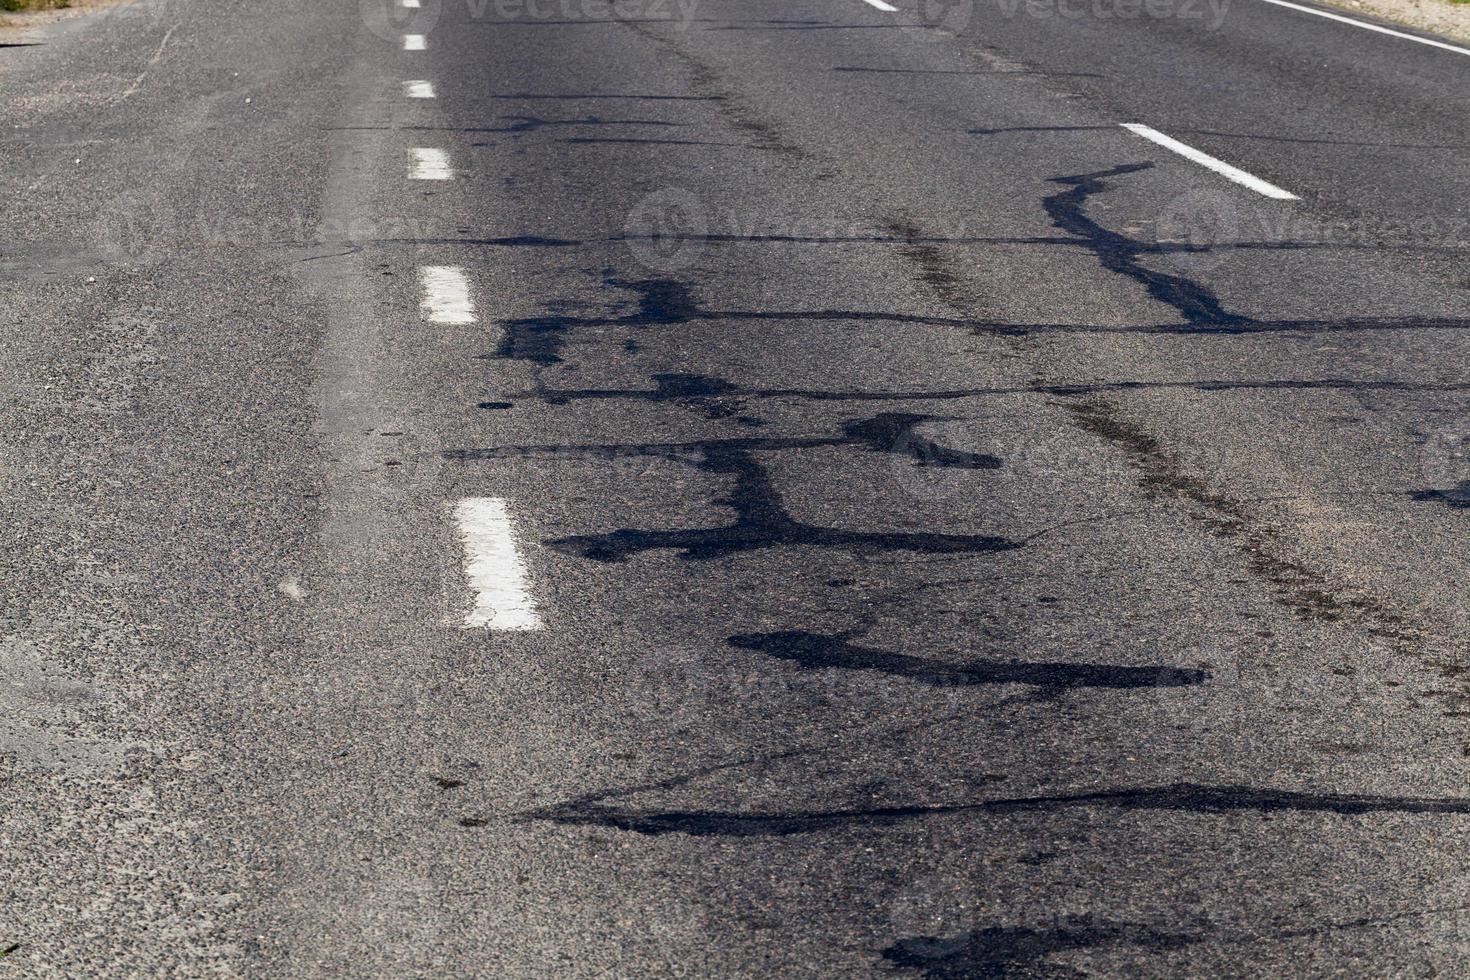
720, 488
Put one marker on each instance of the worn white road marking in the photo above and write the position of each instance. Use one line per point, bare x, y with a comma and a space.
418, 89
1205, 160
887, 8
446, 295
429, 164
414, 42
493, 567
1369, 27
410, 4
151, 61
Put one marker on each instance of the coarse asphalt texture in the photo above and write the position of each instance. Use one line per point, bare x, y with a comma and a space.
966, 539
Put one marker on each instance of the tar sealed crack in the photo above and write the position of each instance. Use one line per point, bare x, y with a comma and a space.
664, 302
761, 519
814, 651
1176, 797
1118, 253
1457, 497
1017, 951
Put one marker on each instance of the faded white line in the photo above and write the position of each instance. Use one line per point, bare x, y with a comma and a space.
446, 295
1205, 160
418, 89
1368, 27
429, 164
151, 61
887, 8
414, 42
493, 567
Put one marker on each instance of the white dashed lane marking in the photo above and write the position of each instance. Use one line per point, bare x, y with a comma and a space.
414, 42
446, 295
1205, 160
429, 164
493, 567
418, 89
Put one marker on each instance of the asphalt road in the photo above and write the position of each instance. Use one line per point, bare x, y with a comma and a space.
733, 489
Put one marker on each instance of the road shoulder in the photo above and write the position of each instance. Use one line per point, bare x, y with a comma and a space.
1445, 17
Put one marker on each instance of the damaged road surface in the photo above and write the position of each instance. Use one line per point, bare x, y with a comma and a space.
733, 489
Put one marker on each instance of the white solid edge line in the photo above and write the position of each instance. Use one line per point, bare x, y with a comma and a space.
425, 163
493, 567
1369, 27
414, 42
418, 89
1205, 160
446, 295
887, 8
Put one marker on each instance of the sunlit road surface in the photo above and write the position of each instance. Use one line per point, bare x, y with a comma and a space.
806, 489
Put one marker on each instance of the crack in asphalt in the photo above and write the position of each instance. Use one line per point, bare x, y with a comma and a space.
1181, 797
762, 520
816, 651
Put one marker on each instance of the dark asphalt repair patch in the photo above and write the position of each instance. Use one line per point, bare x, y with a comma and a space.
664, 301
815, 651
1016, 951
1196, 303
1118, 253
761, 517
668, 302
1457, 497
660, 302
1176, 797
763, 522
718, 398
1306, 592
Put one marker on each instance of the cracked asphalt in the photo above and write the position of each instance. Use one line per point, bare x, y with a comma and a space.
948, 535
